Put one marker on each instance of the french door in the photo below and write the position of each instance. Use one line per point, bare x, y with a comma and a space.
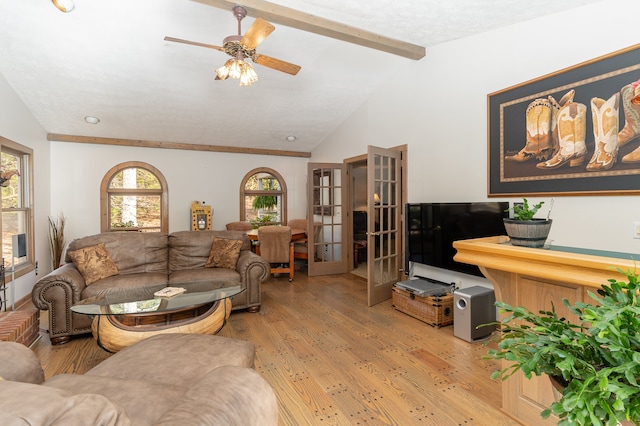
326, 214
384, 204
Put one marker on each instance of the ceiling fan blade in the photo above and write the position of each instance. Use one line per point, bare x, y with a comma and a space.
194, 43
277, 64
257, 32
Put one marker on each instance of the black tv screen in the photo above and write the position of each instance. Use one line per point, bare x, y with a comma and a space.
431, 229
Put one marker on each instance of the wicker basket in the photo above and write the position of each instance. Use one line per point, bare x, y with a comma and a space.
434, 310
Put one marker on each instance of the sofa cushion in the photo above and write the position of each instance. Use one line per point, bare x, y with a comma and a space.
94, 263
140, 286
132, 252
213, 351
224, 253
191, 249
23, 404
183, 278
19, 363
228, 395
143, 401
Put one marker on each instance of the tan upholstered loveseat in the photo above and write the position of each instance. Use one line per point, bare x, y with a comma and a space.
146, 262
168, 379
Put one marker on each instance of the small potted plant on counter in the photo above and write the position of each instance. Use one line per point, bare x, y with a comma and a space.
593, 363
524, 229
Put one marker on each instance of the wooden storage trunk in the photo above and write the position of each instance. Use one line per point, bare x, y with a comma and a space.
434, 310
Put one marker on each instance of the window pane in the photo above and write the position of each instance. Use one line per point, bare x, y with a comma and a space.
262, 182
134, 211
13, 223
263, 209
134, 178
11, 194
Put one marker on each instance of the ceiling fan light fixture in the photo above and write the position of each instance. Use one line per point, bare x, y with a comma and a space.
248, 75
235, 69
241, 47
222, 73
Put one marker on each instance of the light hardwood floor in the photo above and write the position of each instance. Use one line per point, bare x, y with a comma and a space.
334, 361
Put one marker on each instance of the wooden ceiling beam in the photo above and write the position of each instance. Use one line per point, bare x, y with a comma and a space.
174, 145
282, 15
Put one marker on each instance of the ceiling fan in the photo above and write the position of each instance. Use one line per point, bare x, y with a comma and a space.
241, 47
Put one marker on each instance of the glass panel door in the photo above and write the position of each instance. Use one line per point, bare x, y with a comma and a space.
383, 227
325, 217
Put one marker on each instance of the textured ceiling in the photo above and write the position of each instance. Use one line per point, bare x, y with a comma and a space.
107, 58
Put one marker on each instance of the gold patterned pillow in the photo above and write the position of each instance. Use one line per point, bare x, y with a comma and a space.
224, 253
94, 263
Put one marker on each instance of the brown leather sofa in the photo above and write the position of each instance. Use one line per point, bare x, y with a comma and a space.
146, 262
168, 379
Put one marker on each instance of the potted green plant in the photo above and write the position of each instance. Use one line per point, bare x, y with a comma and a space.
524, 229
264, 220
594, 362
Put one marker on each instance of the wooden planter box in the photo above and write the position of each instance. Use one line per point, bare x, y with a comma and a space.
434, 310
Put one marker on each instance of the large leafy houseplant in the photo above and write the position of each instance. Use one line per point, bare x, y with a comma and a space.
596, 360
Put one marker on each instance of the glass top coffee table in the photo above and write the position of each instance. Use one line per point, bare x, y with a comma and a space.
122, 320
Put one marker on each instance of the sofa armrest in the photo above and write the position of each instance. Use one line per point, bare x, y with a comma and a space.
253, 269
67, 277
228, 395
57, 292
19, 363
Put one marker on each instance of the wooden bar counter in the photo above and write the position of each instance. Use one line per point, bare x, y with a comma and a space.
536, 278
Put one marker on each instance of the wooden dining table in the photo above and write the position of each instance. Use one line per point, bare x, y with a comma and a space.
296, 234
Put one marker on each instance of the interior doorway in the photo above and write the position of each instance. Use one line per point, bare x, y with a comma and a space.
358, 203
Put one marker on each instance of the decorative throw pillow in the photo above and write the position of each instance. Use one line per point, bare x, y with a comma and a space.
224, 253
94, 263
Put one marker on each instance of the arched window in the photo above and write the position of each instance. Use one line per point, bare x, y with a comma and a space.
134, 197
263, 198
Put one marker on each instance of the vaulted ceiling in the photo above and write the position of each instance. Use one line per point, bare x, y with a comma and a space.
109, 59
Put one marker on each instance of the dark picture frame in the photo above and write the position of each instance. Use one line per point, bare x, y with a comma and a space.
514, 171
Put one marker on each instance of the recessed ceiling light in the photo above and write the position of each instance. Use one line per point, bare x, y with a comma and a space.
64, 5
291, 138
91, 120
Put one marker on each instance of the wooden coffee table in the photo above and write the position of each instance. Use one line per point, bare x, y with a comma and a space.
120, 323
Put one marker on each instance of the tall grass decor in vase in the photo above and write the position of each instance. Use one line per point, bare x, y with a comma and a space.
56, 239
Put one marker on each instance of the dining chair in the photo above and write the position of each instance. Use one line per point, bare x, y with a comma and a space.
301, 246
276, 248
239, 226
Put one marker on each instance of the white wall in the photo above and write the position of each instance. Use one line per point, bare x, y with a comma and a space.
19, 125
438, 106
203, 176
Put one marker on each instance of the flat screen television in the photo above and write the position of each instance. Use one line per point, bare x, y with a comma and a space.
431, 229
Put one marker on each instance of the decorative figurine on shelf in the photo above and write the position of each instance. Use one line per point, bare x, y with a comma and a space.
5, 176
200, 216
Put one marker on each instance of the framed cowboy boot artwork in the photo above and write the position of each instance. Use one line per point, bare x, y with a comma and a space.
574, 131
